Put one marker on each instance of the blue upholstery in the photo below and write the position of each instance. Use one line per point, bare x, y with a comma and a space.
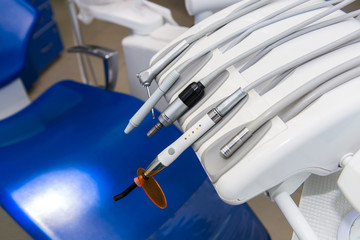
65, 156
17, 18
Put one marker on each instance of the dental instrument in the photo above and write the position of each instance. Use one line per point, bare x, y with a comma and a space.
180, 105
241, 137
146, 77
230, 115
173, 151
150, 187
169, 81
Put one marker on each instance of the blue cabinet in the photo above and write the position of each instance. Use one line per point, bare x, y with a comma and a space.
45, 44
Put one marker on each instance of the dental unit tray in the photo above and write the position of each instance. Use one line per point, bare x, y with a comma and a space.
314, 141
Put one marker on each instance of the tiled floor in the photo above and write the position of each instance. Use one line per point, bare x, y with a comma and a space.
110, 35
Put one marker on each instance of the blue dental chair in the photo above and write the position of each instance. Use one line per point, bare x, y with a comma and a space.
63, 158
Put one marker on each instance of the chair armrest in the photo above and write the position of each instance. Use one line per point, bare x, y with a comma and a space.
109, 57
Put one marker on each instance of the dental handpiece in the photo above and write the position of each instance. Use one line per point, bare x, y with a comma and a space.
140, 115
150, 103
147, 76
172, 152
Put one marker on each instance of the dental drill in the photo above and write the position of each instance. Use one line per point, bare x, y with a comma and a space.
194, 92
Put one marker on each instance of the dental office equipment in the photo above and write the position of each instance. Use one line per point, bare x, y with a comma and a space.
147, 76
181, 104
302, 139
296, 34
149, 185
240, 138
309, 98
172, 152
141, 113
245, 31
55, 182
291, 14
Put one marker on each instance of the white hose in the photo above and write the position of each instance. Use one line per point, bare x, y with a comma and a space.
318, 92
251, 26
282, 17
297, 34
301, 91
208, 79
325, 49
242, 10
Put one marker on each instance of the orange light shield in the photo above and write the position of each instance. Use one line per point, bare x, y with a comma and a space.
152, 189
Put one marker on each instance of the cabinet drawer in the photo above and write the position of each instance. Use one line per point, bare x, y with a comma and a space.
45, 15
45, 46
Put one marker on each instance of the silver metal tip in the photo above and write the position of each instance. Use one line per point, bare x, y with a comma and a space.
155, 129
235, 143
225, 152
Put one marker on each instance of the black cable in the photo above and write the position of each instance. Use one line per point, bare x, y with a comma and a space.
125, 193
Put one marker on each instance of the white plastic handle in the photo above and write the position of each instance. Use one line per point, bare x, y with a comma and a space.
172, 152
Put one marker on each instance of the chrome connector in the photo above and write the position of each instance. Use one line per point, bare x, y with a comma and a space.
155, 167
235, 143
231, 101
214, 115
173, 112
146, 77
155, 129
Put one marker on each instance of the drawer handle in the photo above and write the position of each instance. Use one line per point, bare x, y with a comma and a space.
47, 47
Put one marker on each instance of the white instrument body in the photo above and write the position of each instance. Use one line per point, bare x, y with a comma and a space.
315, 140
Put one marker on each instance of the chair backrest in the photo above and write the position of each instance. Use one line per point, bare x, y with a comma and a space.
16, 25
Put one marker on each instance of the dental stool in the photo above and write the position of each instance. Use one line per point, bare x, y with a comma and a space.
65, 155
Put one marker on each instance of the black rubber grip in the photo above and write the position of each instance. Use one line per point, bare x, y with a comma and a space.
192, 94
